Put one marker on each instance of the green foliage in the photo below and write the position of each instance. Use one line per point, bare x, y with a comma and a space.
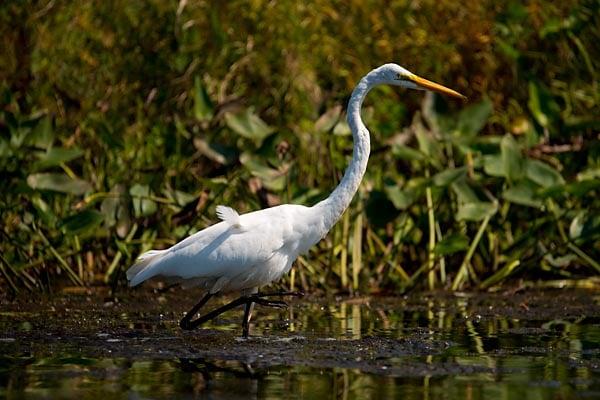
123, 124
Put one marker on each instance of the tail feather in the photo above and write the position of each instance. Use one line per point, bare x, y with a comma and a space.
139, 271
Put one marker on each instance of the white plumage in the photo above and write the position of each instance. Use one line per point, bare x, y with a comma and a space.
244, 252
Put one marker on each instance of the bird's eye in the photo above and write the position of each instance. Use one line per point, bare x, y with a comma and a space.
400, 77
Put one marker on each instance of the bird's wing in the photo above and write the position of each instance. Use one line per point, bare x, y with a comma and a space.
227, 248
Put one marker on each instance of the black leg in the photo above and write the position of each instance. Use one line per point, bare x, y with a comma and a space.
246, 320
188, 324
186, 321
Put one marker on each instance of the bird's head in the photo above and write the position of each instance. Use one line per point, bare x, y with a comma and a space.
393, 74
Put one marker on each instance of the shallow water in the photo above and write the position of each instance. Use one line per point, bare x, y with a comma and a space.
526, 345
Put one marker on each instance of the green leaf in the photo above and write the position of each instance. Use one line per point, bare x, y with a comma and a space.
463, 192
248, 125
473, 118
448, 176
42, 135
56, 156
451, 244
512, 160
427, 144
81, 222
542, 173
576, 227
43, 209
203, 107
271, 178
493, 165
328, 120
142, 204
475, 211
58, 182
522, 193
407, 153
542, 105
402, 199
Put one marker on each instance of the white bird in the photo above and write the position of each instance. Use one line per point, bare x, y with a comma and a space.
244, 252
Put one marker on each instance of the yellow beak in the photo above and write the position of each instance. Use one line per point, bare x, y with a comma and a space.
435, 87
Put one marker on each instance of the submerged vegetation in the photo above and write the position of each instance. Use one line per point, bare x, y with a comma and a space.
123, 125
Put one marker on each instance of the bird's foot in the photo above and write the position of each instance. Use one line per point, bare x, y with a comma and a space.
280, 294
268, 303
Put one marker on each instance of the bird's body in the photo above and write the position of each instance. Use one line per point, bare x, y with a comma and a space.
239, 253
245, 252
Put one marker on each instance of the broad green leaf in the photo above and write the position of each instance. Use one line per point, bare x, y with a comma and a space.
142, 204
407, 153
542, 173
473, 118
448, 176
402, 199
523, 194
56, 156
475, 211
512, 160
327, 121
203, 107
42, 136
58, 182
493, 165
248, 125
81, 222
271, 178
463, 192
452, 244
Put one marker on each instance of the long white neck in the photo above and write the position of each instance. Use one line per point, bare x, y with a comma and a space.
338, 201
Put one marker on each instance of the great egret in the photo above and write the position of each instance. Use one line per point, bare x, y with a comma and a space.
244, 252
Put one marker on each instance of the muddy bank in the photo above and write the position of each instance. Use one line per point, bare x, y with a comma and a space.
386, 336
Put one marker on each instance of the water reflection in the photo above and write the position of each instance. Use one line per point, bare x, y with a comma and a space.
466, 349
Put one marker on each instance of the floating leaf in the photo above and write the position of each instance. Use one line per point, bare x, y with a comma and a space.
248, 125
512, 160
452, 244
542, 173
58, 182
203, 107
475, 211
448, 176
56, 156
142, 204
81, 222
523, 194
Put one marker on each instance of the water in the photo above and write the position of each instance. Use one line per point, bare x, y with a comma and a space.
525, 346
